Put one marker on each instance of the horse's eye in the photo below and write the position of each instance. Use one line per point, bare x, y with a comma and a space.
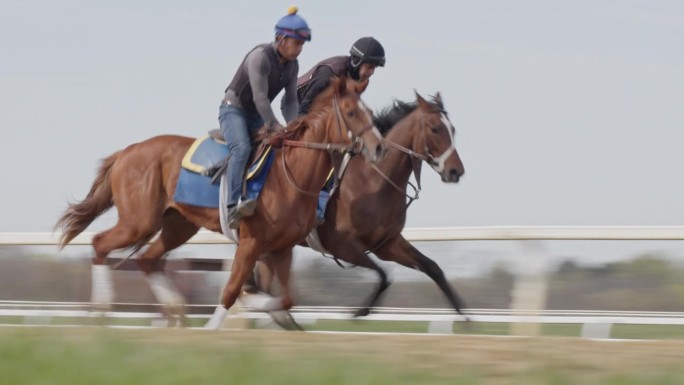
350, 114
434, 129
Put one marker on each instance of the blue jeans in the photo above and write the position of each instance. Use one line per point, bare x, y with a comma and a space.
237, 127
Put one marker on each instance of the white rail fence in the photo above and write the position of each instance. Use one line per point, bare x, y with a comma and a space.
594, 324
482, 233
527, 312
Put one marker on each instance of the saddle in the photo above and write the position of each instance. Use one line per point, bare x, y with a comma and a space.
262, 140
259, 147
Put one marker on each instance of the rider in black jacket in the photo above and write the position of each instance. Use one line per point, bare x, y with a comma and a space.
365, 56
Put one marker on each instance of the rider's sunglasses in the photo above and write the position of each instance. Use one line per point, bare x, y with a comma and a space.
302, 33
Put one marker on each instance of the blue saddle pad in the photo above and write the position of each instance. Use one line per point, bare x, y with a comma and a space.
195, 189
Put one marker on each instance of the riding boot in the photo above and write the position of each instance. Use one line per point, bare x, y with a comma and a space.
236, 213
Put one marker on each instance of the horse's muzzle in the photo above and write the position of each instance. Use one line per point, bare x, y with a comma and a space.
374, 154
451, 175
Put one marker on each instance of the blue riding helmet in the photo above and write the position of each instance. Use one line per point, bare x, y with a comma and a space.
293, 25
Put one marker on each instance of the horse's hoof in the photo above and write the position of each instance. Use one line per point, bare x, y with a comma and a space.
467, 324
262, 302
362, 312
285, 320
179, 321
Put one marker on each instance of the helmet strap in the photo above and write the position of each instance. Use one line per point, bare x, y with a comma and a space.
354, 66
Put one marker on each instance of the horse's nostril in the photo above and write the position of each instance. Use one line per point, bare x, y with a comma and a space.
379, 151
454, 175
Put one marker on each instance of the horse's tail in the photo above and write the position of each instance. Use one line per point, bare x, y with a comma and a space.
80, 215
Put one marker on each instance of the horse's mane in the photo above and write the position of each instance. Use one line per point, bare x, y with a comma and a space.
398, 110
322, 100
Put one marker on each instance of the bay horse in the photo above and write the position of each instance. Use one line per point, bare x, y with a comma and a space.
141, 179
367, 212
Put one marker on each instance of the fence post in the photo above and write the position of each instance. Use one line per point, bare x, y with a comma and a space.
529, 290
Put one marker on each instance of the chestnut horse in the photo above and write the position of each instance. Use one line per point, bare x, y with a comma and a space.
367, 212
141, 179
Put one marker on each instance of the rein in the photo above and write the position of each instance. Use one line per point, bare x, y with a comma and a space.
407, 151
416, 171
416, 190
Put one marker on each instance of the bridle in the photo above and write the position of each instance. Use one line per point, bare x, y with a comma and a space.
436, 162
351, 147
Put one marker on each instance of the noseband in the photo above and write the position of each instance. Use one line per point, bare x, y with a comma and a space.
436, 162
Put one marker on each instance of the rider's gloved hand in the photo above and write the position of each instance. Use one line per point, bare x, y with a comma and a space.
277, 127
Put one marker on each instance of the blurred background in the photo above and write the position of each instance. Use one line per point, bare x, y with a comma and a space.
582, 275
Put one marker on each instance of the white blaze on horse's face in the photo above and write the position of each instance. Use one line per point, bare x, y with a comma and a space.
369, 115
450, 128
372, 146
439, 161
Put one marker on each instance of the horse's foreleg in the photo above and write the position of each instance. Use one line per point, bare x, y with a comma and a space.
261, 277
379, 290
265, 273
282, 263
354, 253
257, 294
243, 263
401, 251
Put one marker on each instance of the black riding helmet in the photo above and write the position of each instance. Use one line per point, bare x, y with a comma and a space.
365, 50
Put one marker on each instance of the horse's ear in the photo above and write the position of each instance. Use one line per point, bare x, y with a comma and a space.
438, 99
422, 103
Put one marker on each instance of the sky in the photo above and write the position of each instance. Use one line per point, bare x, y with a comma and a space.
567, 113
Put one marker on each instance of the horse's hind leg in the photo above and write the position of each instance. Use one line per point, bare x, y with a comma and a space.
118, 237
139, 198
401, 251
175, 231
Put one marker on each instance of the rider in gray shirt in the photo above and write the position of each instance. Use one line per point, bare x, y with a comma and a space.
260, 77
265, 71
